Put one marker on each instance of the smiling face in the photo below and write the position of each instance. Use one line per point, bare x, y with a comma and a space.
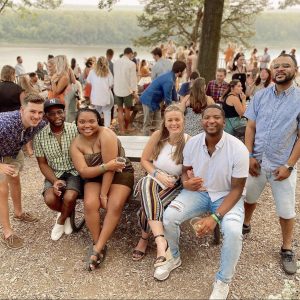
87, 123
32, 114
174, 121
264, 74
213, 121
56, 116
283, 70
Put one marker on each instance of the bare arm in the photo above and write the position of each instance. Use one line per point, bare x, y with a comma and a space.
254, 166
238, 106
58, 85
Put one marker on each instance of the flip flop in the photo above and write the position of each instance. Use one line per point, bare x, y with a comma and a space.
92, 264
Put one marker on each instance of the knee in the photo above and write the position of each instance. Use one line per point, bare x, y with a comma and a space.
50, 200
116, 207
170, 217
232, 230
70, 197
91, 204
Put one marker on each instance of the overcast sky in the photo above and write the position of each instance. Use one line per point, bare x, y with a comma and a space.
95, 2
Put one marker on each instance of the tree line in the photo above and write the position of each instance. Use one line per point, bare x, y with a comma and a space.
119, 27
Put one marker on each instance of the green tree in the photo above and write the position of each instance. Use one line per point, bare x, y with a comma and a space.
25, 4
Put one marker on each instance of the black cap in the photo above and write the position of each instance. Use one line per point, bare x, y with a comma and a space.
53, 102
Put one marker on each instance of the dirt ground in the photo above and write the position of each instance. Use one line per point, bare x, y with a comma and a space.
45, 269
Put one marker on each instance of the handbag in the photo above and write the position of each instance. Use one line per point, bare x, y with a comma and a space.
239, 129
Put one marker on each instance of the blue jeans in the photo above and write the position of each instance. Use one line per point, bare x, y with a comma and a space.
189, 204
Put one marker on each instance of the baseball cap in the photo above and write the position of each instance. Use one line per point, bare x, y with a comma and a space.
53, 102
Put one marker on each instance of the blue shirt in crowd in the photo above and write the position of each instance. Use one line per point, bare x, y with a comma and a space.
13, 135
277, 120
161, 88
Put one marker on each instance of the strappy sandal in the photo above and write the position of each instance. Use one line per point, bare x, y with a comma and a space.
162, 260
138, 254
92, 264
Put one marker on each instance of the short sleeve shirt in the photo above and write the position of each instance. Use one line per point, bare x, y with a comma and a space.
230, 159
58, 157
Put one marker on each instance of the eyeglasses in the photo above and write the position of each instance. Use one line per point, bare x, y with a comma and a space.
54, 113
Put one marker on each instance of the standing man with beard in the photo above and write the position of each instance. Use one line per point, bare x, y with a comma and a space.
272, 138
52, 150
162, 88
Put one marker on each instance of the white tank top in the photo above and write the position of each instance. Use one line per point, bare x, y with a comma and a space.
165, 162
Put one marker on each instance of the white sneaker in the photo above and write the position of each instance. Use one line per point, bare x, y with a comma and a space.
163, 272
58, 230
221, 290
68, 228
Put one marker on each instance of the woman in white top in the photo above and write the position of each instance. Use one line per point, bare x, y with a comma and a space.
162, 159
101, 81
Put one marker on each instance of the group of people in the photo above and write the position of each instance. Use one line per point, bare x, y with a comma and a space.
193, 165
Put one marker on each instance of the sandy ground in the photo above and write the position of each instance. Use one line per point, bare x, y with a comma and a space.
45, 269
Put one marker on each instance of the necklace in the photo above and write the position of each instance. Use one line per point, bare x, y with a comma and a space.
57, 133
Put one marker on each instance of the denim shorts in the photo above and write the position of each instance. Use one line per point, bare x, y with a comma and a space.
73, 183
283, 192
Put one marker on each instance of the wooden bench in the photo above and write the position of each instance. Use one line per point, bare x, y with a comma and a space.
134, 146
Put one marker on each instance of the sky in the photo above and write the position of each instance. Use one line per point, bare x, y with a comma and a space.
95, 2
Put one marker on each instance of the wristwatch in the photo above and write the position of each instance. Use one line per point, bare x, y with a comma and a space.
219, 216
290, 168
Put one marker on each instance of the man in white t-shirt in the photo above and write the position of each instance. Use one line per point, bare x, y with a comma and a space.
220, 165
20, 70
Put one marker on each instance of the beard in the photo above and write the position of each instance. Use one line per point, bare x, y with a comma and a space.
288, 78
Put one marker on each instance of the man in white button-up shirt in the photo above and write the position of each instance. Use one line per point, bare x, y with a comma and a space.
220, 165
125, 88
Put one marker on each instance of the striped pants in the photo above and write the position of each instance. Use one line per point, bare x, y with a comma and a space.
154, 200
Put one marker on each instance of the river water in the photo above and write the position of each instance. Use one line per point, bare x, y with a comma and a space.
32, 54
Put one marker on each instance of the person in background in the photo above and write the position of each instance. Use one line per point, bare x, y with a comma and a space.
234, 105
125, 89
264, 59
162, 65
180, 55
11, 94
186, 86
161, 89
216, 88
20, 70
94, 152
162, 159
193, 106
40, 71
263, 80
229, 54
109, 57
76, 69
272, 139
34, 82
239, 69
17, 128
144, 70
101, 81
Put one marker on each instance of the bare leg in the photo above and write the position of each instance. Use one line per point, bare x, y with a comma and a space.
91, 208
249, 210
127, 119
68, 205
287, 226
15, 192
117, 198
4, 212
52, 201
161, 243
121, 119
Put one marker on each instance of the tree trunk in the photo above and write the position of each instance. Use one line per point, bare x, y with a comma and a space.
210, 38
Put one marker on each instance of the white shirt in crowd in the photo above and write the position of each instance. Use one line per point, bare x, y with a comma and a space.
230, 159
20, 70
125, 78
101, 88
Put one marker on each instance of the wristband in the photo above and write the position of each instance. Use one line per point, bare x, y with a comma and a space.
251, 155
154, 173
216, 219
102, 168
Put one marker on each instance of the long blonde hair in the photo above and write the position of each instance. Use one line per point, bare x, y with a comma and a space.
24, 82
101, 68
8, 73
61, 63
164, 134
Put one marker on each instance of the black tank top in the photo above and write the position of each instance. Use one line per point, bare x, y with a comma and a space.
229, 110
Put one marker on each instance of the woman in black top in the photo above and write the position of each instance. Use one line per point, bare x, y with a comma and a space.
234, 106
11, 94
